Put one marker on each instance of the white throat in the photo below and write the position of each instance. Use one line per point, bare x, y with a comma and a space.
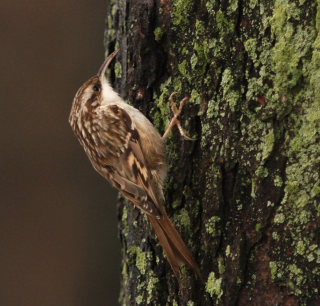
108, 94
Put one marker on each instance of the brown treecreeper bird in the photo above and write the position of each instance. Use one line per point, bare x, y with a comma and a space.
126, 149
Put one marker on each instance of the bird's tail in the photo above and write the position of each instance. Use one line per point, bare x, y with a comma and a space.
176, 250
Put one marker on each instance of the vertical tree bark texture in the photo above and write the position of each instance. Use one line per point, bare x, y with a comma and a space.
245, 194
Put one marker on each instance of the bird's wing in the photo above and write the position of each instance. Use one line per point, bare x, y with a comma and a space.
128, 170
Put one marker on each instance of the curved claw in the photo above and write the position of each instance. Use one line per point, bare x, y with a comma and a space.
174, 121
182, 132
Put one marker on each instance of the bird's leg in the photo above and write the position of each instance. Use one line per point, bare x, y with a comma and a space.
174, 121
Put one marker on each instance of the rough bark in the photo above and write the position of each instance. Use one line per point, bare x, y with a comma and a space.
245, 195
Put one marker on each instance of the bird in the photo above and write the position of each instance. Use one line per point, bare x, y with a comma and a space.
126, 149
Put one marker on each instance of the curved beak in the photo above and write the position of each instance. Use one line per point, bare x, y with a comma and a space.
106, 64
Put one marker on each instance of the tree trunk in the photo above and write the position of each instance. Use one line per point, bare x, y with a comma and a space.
245, 194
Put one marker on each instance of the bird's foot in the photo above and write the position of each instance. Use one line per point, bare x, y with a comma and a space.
175, 121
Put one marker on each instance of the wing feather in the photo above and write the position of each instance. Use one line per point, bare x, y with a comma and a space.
127, 167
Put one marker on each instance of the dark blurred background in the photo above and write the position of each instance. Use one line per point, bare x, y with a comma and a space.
58, 231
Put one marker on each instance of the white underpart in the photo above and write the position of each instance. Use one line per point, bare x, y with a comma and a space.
111, 97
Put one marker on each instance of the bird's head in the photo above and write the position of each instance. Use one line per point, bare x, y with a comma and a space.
94, 92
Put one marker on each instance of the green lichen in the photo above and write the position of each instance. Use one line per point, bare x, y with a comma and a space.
292, 44
210, 4
183, 219
230, 94
152, 287
251, 47
213, 286
195, 97
203, 48
253, 189
228, 250
181, 12
118, 70
213, 109
315, 191
140, 258
141, 261
268, 144
296, 274
259, 226
162, 115
279, 218
275, 236
301, 248
183, 68
278, 182
221, 265
253, 3
193, 60
298, 203
176, 203
233, 5
223, 24
211, 225
200, 28
273, 269
270, 204
139, 299
298, 207
262, 172
158, 33
124, 271
124, 220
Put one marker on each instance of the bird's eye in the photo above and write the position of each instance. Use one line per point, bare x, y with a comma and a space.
96, 88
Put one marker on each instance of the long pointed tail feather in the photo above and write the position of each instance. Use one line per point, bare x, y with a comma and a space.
176, 250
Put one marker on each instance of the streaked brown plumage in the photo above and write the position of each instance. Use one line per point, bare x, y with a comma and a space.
126, 149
